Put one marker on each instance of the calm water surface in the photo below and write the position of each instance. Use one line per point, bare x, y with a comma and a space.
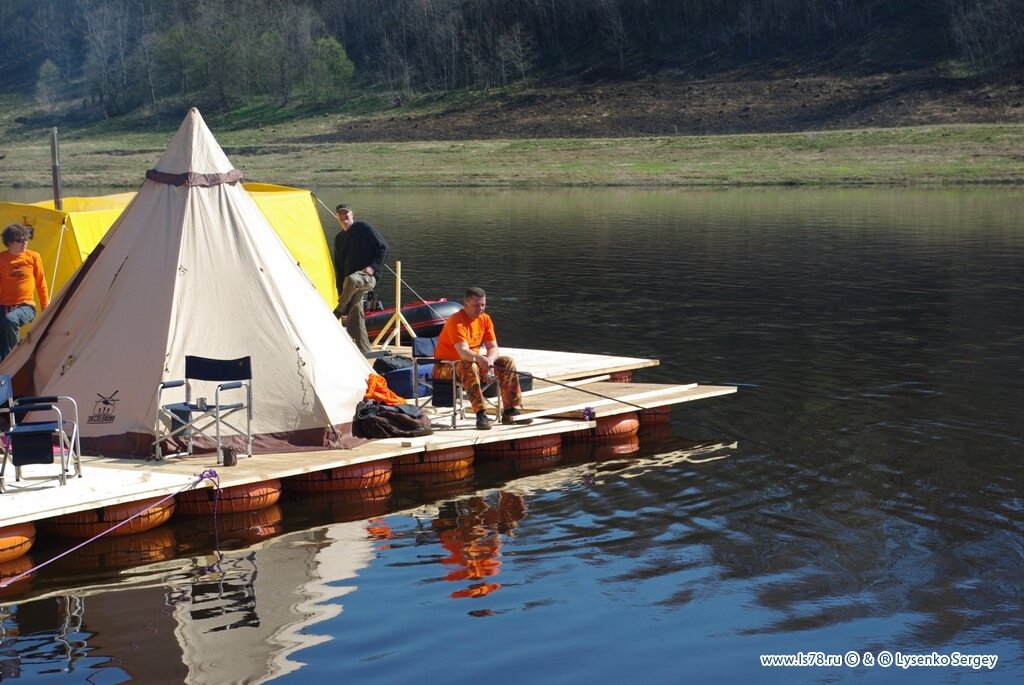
861, 491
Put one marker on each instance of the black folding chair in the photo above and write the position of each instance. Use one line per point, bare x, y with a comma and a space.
49, 436
443, 393
196, 416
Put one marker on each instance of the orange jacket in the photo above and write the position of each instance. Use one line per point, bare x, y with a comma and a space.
20, 278
458, 328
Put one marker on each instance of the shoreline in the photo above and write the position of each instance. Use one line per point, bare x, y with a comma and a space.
935, 155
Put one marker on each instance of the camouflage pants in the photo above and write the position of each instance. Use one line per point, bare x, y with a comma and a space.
468, 374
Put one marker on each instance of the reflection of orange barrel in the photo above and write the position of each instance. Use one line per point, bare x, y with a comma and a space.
370, 474
614, 427
247, 497
620, 447
441, 477
16, 540
349, 505
653, 433
440, 485
247, 526
434, 461
11, 569
525, 454
655, 416
113, 552
151, 512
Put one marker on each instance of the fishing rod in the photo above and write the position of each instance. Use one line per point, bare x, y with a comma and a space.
571, 387
401, 280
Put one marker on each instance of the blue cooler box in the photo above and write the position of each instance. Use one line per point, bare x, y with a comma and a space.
401, 382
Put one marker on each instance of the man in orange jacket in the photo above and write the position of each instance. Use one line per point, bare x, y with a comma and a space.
468, 338
21, 277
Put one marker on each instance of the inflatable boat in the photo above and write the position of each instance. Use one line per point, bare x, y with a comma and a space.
426, 317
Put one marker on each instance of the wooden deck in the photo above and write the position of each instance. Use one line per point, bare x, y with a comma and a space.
554, 408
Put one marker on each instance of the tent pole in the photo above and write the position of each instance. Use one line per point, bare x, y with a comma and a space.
58, 200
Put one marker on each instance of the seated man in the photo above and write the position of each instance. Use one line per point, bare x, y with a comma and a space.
21, 278
468, 338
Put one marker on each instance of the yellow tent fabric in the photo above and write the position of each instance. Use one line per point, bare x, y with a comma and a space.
65, 238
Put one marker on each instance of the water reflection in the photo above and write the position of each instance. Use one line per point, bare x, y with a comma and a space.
471, 530
861, 491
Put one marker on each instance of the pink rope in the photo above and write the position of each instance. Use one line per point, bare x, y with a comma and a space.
208, 474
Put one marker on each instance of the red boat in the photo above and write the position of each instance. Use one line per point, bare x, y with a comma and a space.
426, 317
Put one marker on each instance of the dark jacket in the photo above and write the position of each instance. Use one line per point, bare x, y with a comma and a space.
357, 248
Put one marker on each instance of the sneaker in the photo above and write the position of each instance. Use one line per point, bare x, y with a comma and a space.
508, 417
482, 422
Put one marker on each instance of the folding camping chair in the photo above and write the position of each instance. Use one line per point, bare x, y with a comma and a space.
195, 417
39, 442
443, 393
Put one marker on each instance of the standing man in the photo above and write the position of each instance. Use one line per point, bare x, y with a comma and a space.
21, 277
468, 339
359, 255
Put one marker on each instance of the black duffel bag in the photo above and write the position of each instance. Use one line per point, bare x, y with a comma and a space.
378, 420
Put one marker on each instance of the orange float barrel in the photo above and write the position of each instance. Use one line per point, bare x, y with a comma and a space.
434, 461
370, 474
247, 497
16, 540
144, 515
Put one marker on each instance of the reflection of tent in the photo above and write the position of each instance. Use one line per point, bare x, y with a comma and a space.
192, 267
65, 237
252, 625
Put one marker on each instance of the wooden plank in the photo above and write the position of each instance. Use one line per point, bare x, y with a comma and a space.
565, 365
619, 398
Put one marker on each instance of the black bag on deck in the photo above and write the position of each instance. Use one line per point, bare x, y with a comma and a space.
378, 420
386, 361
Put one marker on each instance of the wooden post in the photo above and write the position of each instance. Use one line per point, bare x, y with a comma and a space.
397, 320
58, 200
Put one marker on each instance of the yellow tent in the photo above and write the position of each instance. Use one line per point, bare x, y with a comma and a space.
64, 238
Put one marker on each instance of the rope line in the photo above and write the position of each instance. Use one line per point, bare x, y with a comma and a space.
572, 387
209, 474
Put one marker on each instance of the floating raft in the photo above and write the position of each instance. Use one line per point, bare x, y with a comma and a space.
112, 486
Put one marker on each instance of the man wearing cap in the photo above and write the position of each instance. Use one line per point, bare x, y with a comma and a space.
359, 255
468, 338
21, 277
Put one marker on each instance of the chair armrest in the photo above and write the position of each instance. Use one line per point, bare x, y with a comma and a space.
26, 408
233, 385
38, 399
171, 384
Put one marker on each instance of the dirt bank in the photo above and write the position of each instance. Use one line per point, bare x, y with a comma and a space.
670, 104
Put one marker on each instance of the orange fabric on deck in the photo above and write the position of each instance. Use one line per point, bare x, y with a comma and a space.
377, 389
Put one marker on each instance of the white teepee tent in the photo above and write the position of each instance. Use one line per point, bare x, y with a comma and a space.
192, 267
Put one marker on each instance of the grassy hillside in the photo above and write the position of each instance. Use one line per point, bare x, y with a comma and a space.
738, 128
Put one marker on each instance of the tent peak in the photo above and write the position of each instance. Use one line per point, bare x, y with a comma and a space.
193, 157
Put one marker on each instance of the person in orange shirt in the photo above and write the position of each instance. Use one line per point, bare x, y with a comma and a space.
468, 338
21, 277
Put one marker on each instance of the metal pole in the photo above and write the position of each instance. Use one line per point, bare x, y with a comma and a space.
58, 201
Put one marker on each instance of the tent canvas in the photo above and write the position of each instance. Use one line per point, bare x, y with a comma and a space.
64, 238
192, 267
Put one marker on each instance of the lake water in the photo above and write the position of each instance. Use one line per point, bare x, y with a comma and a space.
861, 492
